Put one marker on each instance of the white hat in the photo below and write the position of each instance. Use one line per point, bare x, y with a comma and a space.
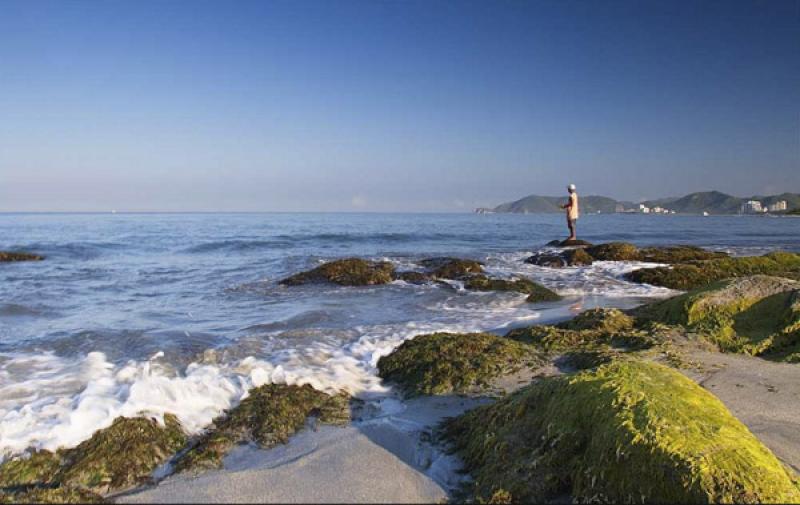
571, 187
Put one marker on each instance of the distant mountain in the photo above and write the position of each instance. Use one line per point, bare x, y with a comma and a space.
713, 202
534, 204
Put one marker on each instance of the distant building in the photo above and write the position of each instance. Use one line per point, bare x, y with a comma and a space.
644, 209
778, 206
619, 207
752, 207
483, 210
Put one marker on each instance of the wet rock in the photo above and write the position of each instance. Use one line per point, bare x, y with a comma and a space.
267, 417
625, 431
452, 268
414, 277
757, 315
442, 363
39, 494
345, 272
614, 251
7, 256
116, 458
536, 292
696, 274
574, 243
677, 254
567, 257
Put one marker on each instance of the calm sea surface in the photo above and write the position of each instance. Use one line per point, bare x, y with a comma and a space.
154, 313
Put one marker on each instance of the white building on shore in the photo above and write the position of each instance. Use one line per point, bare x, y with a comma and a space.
778, 206
752, 207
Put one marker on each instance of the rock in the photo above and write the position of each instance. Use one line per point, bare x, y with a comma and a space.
574, 243
757, 315
567, 257
547, 259
614, 251
268, 416
443, 363
451, 268
61, 494
536, 292
592, 330
696, 274
677, 254
345, 272
626, 431
116, 458
6, 256
414, 277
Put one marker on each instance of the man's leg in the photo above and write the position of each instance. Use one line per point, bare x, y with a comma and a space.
571, 224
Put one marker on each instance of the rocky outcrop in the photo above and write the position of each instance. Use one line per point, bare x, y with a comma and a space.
345, 272
757, 315
451, 268
442, 363
268, 416
565, 258
536, 292
621, 251
114, 459
627, 431
696, 274
6, 256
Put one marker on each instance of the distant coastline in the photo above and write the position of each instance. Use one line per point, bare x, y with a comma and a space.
700, 203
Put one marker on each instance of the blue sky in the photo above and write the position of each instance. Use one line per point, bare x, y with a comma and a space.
392, 106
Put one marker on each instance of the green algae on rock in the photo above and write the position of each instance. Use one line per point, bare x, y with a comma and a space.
697, 274
451, 268
567, 257
757, 315
123, 455
536, 292
627, 431
442, 363
345, 272
113, 459
8, 256
591, 330
414, 277
268, 416
44, 494
614, 251
678, 254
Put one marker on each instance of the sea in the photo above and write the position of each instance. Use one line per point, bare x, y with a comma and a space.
147, 314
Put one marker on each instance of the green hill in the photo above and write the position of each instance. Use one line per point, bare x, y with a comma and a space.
713, 202
534, 204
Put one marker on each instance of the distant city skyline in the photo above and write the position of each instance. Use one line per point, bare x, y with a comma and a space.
392, 106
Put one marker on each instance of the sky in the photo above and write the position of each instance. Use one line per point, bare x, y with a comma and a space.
418, 106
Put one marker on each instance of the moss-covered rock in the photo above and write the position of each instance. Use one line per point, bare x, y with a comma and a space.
536, 292
44, 494
452, 268
677, 254
697, 274
574, 243
7, 256
567, 257
442, 363
595, 329
414, 277
123, 455
113, 459
628, 431
346, 272
614, 251
757, 315
603, 319
268, 416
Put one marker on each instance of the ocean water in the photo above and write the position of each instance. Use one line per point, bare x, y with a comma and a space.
144, 314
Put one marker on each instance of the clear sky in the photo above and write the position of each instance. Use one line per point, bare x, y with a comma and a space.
392, 106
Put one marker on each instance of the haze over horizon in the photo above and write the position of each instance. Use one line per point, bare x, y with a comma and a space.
392, 106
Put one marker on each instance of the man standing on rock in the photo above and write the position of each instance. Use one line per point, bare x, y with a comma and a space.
572, 211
